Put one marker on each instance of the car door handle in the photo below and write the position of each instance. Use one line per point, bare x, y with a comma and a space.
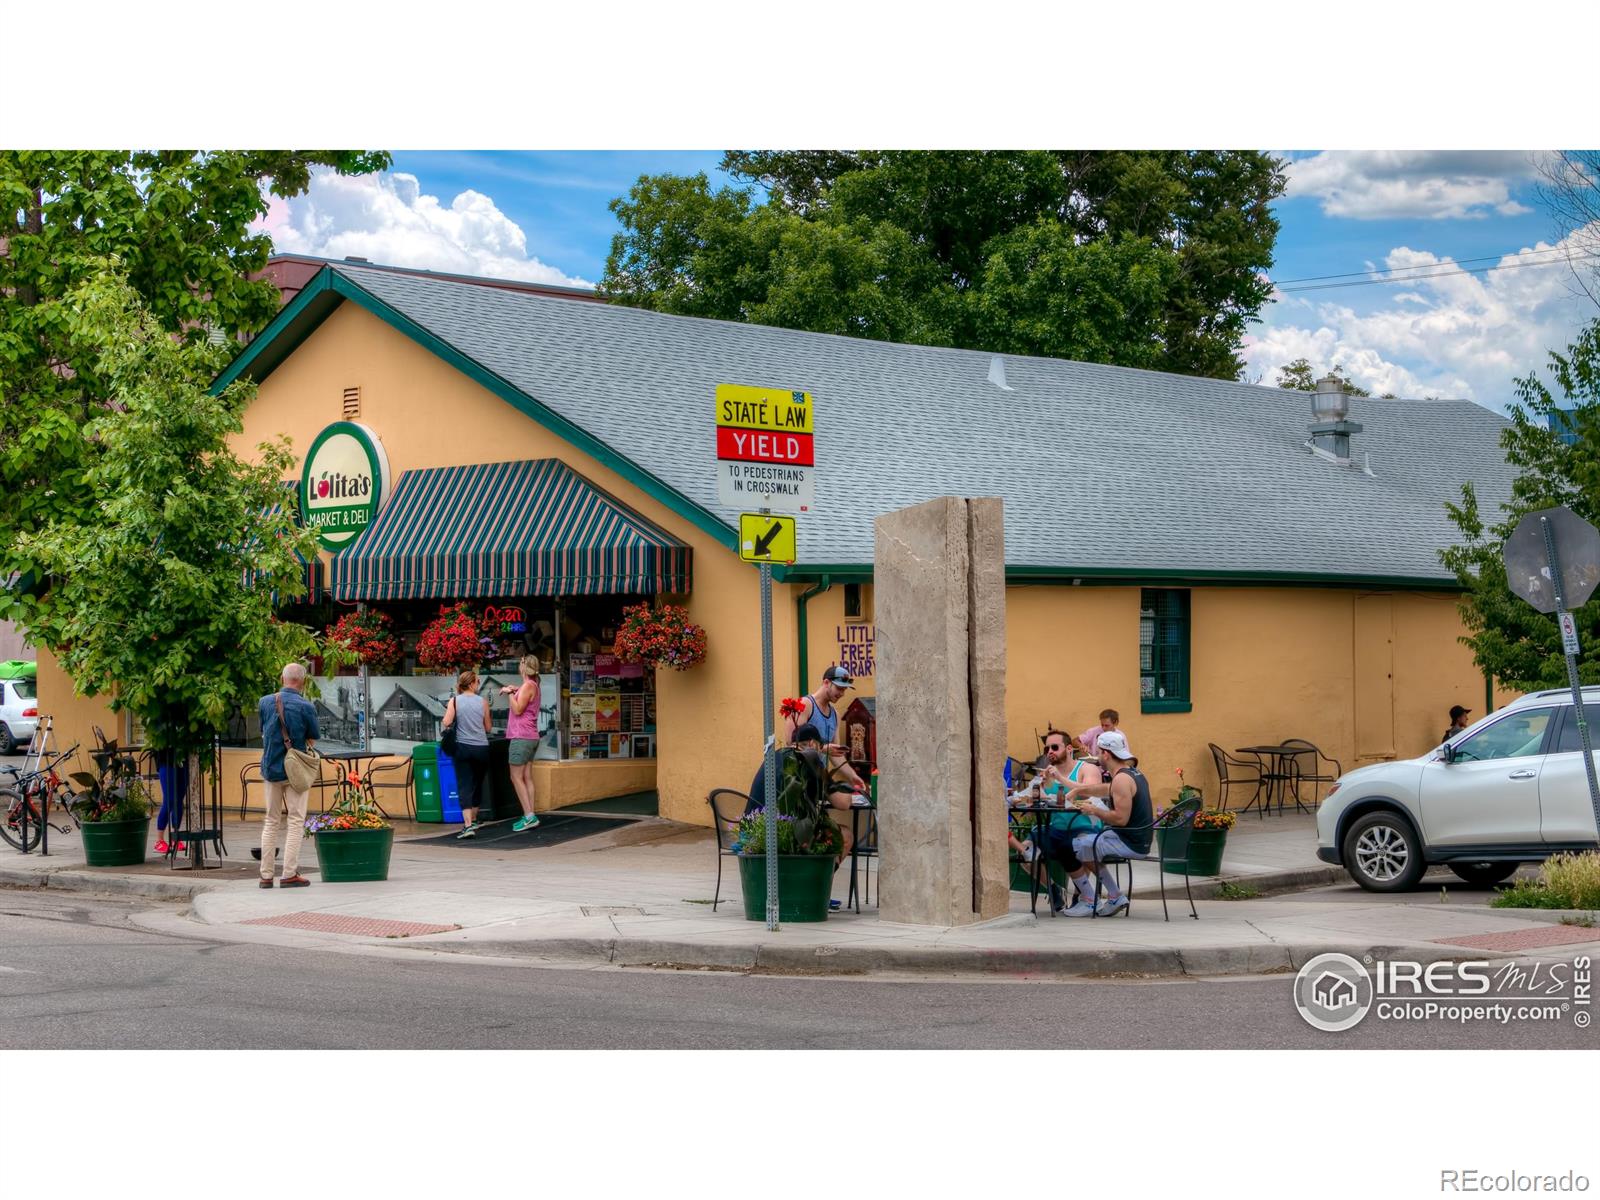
1523, 774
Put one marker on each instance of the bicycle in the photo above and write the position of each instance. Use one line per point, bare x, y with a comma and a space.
25, 802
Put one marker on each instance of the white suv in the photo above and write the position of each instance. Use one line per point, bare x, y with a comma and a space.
1511, 789
19, 712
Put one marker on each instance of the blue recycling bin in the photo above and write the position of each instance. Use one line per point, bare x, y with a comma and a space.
449, 797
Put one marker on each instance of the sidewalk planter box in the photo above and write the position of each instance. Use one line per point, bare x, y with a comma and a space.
1205, 853
115, 843
354, 855
805, 881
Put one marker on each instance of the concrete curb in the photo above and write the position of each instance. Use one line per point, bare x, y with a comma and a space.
67, 879
764, 959
1268, 883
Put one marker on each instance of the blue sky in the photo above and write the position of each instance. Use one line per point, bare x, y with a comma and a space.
544, 215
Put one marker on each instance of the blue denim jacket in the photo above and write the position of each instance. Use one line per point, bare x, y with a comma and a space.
301, 716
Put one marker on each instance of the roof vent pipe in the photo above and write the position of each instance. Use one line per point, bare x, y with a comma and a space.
1330, 430
997, 374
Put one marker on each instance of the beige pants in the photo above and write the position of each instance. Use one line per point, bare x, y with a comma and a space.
281, 796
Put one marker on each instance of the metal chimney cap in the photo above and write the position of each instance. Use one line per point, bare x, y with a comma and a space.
1330, 402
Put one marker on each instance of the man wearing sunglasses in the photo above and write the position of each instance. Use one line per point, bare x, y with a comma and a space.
1060, 773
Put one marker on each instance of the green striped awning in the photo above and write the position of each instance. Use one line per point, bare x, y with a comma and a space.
313, 567
532, 528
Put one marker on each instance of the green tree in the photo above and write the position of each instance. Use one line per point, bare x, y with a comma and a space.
1520, 646
179, 223
1140, 258
1300, 376
165, 601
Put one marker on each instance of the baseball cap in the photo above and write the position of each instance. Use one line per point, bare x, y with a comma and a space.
839, 677
1115, 741
1456, 711
805, 733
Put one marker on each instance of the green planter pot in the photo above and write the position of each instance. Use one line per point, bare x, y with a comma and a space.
805, 881
1021, 881
354, 855
1205, 853
115, 843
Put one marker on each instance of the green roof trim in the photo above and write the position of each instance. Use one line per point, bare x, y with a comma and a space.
327, 289
1134, 576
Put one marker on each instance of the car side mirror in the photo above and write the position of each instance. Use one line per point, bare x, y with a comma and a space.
1447, 753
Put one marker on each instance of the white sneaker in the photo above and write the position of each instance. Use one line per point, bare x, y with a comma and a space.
1080, 909
1029, 850
1111, 905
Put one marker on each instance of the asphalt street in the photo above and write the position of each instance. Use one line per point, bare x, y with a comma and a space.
75, 973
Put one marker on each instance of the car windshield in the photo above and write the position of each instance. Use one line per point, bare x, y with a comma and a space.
24, 688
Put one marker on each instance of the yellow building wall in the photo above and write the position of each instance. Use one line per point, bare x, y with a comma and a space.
428, 414
74, 716
830, 640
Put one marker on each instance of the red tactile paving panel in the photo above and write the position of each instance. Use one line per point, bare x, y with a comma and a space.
1525, 939
357, 926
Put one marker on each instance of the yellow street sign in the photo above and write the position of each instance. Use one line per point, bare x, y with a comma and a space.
776, 409
766, 538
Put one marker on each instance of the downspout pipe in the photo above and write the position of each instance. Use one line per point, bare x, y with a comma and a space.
800, 625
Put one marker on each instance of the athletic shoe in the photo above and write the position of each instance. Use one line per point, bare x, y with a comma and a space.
835, 905
162, 847
1111, 905
1057, 900
1029, 850
1080, 909
525, 822
471, 831
180, 848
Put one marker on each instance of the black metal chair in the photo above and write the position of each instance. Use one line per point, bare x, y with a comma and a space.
402, 784
1174, 827
1305, 767
1230, 775
727, 810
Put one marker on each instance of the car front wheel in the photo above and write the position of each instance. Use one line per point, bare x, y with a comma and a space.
1484, 874
1383, 853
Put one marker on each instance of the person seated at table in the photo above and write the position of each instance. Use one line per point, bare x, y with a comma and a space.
1128, 809
1060, 773
839, 793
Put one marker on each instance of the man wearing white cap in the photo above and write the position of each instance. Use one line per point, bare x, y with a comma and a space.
1130, 811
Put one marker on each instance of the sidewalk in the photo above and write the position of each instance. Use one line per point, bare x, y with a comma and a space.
640, 894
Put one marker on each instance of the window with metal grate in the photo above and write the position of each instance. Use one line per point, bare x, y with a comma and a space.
1164, 650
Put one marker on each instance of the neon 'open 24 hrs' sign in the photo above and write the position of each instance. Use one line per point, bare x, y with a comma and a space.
343, 482
509, 619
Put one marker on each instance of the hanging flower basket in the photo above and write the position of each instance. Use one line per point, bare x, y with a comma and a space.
369, 636
660, 637
455, 641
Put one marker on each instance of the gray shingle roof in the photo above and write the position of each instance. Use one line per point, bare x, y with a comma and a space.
1101, 468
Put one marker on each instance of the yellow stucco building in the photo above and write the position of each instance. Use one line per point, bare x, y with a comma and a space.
1213, 560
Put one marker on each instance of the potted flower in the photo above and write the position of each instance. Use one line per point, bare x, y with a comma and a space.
113, 814
367, 638
455, 640
660, 637
353, 839
1207, 836
808, 845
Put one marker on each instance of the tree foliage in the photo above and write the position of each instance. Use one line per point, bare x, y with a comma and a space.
1569, 189
1139, 258
179, 224
1520, 646
1301, 376
166, 598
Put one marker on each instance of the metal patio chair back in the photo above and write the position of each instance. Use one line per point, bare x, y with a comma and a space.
1306, 767
1175, 828
1236, 773
727, 810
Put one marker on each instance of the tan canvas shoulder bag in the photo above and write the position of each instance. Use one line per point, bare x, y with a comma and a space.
303, 767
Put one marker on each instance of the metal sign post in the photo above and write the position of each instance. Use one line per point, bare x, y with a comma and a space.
1569, 638
769, 770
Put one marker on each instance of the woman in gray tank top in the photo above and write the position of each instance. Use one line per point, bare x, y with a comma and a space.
469, 713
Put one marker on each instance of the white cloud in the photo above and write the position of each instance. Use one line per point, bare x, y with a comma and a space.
386, 218
1454, 335
1435, 184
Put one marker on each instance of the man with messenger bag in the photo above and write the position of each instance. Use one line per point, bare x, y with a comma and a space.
289, 766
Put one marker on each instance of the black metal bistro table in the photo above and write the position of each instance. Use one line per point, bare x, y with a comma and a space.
361, 761
1275, 772
1042, 810
860, 806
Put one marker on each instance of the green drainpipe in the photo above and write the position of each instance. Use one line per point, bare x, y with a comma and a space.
1488, 692
800, 624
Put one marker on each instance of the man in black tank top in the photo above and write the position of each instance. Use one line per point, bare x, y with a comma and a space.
1130, 819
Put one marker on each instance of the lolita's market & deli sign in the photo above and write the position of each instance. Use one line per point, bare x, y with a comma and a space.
345, 478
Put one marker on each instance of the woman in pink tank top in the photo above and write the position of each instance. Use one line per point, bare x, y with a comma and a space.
522, 727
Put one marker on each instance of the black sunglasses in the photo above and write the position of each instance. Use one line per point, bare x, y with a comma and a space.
1055, 746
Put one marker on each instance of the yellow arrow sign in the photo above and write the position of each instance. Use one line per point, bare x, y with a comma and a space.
766, 538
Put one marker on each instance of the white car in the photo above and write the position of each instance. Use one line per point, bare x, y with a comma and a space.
1510, 789
19, 712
